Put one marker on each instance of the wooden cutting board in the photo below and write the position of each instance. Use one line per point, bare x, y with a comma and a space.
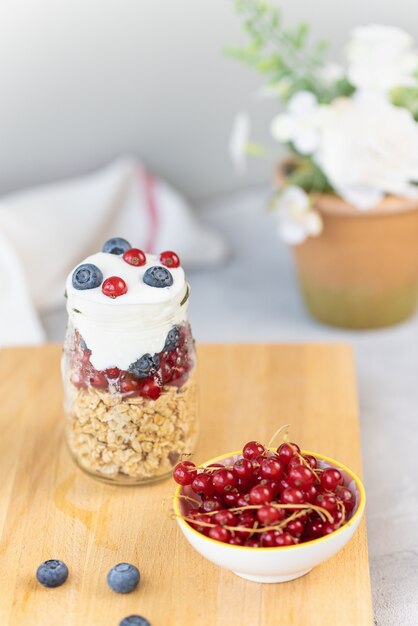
50, 509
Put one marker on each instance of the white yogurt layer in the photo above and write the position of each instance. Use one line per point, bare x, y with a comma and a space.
118, 331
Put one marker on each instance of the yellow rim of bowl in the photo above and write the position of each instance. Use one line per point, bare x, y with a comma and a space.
327, 459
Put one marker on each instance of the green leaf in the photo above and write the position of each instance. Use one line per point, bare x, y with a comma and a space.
309, 177
322, 46
301, 34
279, 52
407, 98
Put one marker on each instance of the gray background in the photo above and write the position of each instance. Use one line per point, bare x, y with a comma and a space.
83, 81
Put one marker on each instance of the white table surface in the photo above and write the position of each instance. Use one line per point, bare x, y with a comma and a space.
254, 297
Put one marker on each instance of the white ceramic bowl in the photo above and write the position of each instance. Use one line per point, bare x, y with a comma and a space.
274, 565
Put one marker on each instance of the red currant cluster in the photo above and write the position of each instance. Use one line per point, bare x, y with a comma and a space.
173, 369
266, 499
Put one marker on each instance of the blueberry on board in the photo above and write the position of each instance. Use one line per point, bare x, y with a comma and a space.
116, 245
87, 276
172, 340
52, 573
158, 276
134, 620
144, 366
123, 578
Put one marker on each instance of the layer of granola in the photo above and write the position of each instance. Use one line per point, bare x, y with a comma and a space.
131, 439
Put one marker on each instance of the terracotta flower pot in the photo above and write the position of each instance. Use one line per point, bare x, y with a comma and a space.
362, 271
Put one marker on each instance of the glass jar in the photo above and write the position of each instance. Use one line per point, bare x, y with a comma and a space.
129, 424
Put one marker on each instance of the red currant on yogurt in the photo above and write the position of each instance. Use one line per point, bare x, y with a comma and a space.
134, 256
114, 287
169, 259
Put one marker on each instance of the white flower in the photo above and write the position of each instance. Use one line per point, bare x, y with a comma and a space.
238, 142
380, 58
331, 73
368, 148
299, 124
296, 220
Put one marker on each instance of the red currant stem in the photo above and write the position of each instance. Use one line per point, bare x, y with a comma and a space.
185, 455
341, 506
305, 462
285, 428
171, 498
294, 516
302, 508
242, 529
214, 469
256, 529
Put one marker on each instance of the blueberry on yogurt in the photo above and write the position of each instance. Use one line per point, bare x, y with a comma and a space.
116, 245
123, 578
158, 276
52, 573
87, 276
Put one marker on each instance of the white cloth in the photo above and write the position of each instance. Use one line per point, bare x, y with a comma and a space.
45, 232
